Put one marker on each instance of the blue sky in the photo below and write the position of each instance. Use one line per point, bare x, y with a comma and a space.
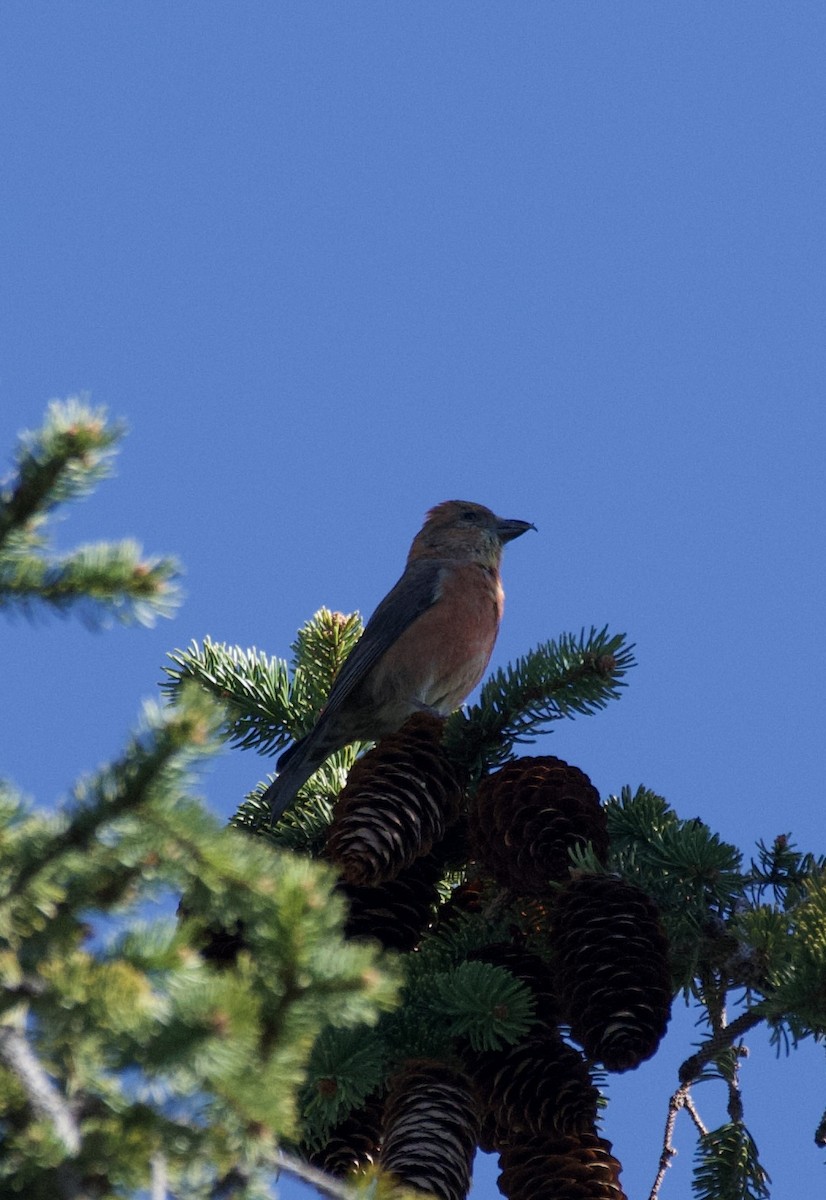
336, 262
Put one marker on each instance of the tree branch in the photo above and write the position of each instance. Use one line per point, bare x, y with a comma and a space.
677, 1101
44, 1098
723, 1039
325, 1183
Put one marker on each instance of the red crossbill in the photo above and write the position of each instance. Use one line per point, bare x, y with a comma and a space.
425, 647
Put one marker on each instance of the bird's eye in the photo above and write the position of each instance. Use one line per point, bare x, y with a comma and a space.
468, 515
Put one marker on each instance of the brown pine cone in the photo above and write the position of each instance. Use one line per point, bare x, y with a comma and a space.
540, 1086
467, 897
353, 1143
398, 912
576, 1167
398, 801
528, 815
431, 1129
613, 973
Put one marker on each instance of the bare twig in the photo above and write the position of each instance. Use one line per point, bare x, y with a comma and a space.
43, 1096
688, 1105
324, 1183
723, 1038
681, 1099
735, 1096
677, 1101
159, 1176
719, 1019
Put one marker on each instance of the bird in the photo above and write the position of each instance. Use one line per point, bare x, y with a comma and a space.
424, 649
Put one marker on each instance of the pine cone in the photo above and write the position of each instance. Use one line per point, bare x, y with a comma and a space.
353, 1143
398, 801
576, 1167
540, 1086
431, 1127
453, 851
467, 897
396, 913
614, 978
528, 815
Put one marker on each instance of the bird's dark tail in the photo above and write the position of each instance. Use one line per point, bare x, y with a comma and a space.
295, 766
283, 759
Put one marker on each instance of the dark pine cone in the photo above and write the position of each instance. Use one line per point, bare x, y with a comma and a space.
577, 1167
353, 1143
431, 1129
467, 897
528, 815
540, 1086
614, 978
398, 912
398, 801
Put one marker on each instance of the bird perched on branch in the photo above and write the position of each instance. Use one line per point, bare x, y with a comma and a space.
423, 650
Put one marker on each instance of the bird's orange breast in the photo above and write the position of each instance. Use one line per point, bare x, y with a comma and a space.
441, 657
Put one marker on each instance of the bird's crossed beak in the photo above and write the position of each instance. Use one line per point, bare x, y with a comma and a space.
508, 530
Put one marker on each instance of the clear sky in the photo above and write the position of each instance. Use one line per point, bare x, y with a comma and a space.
335, 262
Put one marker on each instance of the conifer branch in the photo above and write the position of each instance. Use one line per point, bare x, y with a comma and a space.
254, 688
265, 995
269, 701
728, 1166
156, 759
100, 581
721, 1040
60, 462
563, 678
482, 1003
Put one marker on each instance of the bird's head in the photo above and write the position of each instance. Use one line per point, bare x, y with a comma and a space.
459, 529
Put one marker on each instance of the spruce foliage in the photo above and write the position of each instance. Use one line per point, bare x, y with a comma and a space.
130, 1059
383, 1022
64, 461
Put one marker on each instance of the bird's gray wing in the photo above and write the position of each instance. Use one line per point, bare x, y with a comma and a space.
414, 594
